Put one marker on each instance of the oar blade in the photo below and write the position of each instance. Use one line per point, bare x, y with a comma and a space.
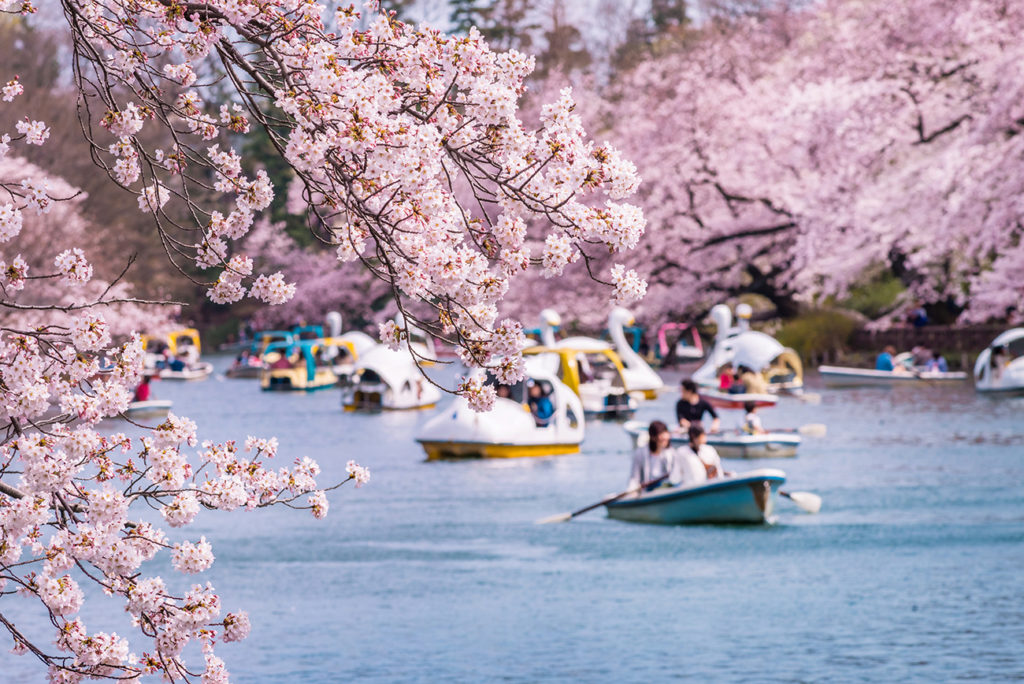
561, 517
813, 429
807, 501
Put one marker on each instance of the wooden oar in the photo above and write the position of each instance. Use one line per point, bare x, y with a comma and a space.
563, 517
805, 500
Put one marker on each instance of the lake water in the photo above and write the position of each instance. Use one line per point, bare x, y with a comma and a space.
437, 572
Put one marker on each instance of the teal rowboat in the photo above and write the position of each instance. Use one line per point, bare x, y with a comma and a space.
747, 498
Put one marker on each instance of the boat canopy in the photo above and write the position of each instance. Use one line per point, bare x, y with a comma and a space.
572, 363
1013, 340
176, 340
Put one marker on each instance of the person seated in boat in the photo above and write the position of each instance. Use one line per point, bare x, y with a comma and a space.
176, 364
540, 405
655, 459
886, 360
725, 378
752, 421
692, 408
503, 391
737, 386
142, 392
997, 359
705, 453
753, 382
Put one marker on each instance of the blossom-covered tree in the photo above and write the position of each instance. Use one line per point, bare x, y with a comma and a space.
411, 160
792, 154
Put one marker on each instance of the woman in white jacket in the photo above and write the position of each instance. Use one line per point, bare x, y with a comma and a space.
655, 459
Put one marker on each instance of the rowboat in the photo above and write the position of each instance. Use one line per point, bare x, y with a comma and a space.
736, 444
724, 400
153, 408
746, 498
197, 371
509, 429
842, 376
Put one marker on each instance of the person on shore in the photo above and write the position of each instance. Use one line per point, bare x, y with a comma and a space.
142, 392
692, 408
540, 406
752, 421
705, 453
886, 360
655, 459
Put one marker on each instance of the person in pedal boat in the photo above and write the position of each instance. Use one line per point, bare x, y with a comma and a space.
692, 408
704, 453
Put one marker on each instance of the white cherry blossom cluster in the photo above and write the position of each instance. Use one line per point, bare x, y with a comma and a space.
12, 89
377, 152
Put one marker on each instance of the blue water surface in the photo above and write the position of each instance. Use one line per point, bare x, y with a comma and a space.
437, 571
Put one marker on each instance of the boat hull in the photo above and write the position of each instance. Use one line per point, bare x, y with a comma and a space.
746, 499
457, 450
839, 376
199, 371
725, 400
154, 408
769, 445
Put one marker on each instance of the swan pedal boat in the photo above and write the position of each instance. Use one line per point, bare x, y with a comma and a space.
740, 346
197, 371
735, 444
842, 376
152, 408
508, 430
745, 498
388, 380
1009, 378
724, 400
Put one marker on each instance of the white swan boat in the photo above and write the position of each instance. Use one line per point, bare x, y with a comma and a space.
843, 376
591, 368
388, 380
508, 430
735, 444
743, 498
152, 408
1000, 367
738, 346
639, 377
